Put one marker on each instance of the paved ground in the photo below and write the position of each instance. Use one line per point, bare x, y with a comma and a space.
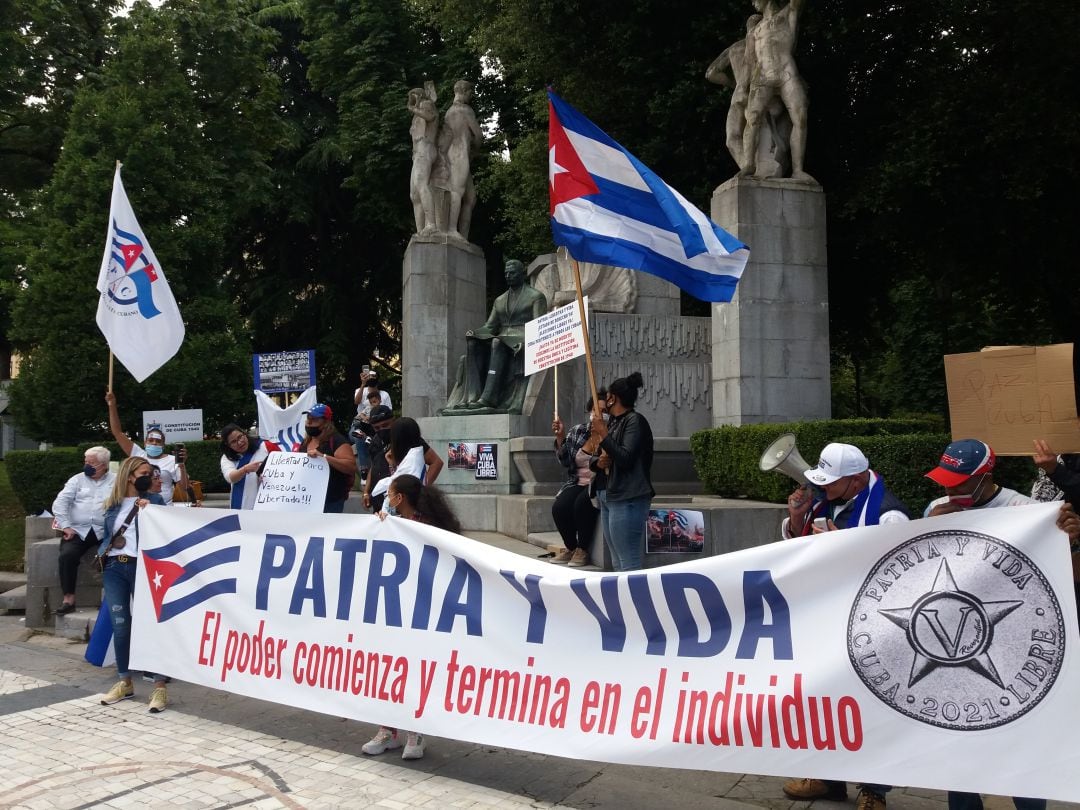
61, 749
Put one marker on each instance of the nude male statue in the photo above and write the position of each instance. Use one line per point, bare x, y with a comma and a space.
740, 62
423, 131
460, 121
775, 73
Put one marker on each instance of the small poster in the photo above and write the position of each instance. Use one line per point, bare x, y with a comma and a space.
487, 466
177, 425
281, 372
461, 455
674, 531
292, 482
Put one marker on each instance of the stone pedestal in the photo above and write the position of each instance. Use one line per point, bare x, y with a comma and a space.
439, 431
770, 345
443, 296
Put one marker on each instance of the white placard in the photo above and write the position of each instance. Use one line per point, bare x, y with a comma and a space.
292, 482
177, 425
939, 653
554, 338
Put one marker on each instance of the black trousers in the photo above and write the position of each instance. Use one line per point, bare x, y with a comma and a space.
71, 553
575, 516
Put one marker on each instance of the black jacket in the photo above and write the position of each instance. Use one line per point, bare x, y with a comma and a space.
629, 443
1066, 477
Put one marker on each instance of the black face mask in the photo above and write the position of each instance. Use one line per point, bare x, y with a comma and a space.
143, 483
384, 436
313, 431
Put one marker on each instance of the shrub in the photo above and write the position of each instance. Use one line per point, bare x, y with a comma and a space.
37, 476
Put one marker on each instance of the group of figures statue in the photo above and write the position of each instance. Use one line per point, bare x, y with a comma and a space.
767, 90
441, 185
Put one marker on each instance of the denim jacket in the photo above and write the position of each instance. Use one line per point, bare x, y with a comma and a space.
111, 516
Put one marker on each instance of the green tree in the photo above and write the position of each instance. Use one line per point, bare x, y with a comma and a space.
187, 103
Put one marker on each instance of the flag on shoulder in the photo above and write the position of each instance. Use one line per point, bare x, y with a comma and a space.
136, 309
608, 207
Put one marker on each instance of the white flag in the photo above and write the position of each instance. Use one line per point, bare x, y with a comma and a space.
284, 426
136, 309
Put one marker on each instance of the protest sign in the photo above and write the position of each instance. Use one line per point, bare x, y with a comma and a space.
487, 461
177, 425
940, 653
280, 372
292, 482
1011, 395
554, 338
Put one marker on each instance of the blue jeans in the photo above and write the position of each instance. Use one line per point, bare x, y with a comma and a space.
623, 522
973, 801
118, 580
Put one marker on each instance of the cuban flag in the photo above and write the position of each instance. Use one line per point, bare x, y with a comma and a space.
608, 207
136, 309
284, 426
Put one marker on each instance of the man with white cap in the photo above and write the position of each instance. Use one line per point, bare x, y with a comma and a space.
853, 495
849, 494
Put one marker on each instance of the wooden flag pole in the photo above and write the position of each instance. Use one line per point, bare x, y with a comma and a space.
585, 335
110, 370
555, 370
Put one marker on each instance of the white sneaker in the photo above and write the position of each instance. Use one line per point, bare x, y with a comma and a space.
386, 739
414, 746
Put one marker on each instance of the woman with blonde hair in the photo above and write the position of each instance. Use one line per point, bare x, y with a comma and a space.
118, 554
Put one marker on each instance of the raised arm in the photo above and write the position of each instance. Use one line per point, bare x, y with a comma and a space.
117, 429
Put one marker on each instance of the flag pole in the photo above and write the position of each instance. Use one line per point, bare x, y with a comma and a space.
555, 370
585, 336
110, 370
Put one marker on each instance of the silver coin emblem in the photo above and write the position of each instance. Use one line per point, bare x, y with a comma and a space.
957, 629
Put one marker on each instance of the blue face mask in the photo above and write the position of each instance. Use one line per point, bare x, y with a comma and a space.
89, 470
154, 450
390, 510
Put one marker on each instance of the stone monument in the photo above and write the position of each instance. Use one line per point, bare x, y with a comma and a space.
770, 353
443, 274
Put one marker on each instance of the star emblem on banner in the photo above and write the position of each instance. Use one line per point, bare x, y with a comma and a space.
950, 627
567, 176
161, 574
130, 253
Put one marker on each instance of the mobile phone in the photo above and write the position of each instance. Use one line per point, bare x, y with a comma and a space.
821, 523
365, 369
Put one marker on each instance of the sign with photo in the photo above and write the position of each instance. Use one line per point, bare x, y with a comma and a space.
674, 531
487, 461
279, 372
461, 456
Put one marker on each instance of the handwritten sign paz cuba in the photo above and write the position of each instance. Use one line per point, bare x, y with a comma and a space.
1012, 395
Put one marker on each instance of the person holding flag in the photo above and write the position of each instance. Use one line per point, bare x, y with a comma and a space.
173, 467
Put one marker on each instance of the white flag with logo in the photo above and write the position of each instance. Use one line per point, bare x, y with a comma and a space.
136, 309
284, 426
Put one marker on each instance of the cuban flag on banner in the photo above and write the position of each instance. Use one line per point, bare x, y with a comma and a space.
136, 309
608, 207
284, 426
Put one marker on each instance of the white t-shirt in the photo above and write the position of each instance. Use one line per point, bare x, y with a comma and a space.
169, 473
364, 408
1003, 497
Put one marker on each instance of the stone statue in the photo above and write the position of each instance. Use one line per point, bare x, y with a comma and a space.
773, 158
609, 288
424, 132
491, 375
773, 74
463, 133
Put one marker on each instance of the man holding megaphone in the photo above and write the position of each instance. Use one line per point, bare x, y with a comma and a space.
845, 493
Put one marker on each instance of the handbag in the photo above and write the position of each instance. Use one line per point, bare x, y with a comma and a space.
118, 534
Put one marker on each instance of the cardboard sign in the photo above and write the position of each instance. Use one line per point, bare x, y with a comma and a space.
1009, 396
554, 338
292, 482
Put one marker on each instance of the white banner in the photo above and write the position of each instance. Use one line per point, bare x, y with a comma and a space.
939, 653
178, 425
292, 482
136, 310
554, 337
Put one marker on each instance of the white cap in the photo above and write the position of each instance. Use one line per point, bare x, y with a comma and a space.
836, 461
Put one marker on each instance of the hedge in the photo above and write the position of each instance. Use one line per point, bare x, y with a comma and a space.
900, 450
37, 476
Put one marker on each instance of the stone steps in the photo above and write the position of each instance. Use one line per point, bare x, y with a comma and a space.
77, 625
13, 600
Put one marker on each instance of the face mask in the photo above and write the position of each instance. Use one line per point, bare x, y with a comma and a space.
968, 501
384, 436
390, 510
143, 483
313, 431
154, 450
89, 470
605, 416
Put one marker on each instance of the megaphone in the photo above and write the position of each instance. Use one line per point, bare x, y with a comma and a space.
783, 456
